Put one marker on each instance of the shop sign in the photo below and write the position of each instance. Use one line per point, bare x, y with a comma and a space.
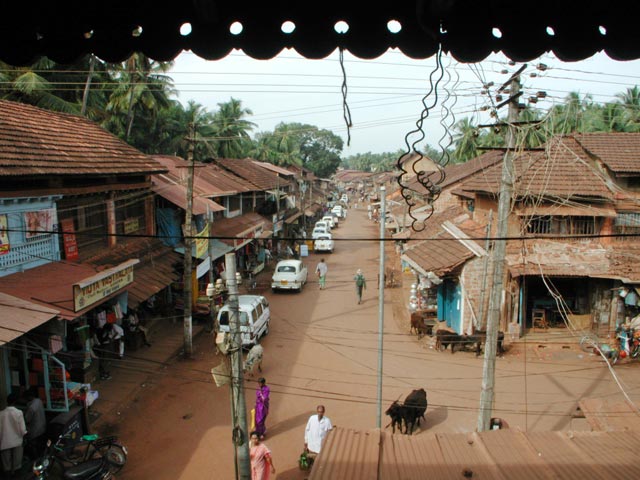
202, 242
4, 235
131, 225
69, 239
93, 290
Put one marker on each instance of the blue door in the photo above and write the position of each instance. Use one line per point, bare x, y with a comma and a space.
450, 304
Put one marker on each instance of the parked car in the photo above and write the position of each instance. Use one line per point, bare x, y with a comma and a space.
340, 211
331, 220
289, 275
344, 198
323, 224
324, 243
319, 231
255, 317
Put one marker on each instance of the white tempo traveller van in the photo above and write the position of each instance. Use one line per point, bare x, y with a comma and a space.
254, 318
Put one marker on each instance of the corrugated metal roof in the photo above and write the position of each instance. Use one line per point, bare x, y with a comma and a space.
604, 414
508, 454
253, 174
18, 316
34, 141
177, 194
237, 227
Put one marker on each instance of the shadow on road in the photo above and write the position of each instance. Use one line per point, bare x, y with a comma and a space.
290, 424
435, 417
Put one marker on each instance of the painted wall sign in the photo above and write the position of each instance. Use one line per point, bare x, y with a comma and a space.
69, 239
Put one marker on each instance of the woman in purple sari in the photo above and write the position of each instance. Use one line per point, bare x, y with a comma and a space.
262, 407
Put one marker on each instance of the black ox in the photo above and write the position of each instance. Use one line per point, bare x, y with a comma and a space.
410, 412
444, 338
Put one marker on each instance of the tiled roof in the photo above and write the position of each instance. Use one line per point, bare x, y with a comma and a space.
497, 454
619, 151
456, 172
34, 141
563, 170
254, 175
439, 251
275, 168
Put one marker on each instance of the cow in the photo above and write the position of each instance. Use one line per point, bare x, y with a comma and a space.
418, 325
415, 406
254, 357
410, 412
480, 337
444, 338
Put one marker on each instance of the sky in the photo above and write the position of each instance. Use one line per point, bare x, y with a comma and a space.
384, 95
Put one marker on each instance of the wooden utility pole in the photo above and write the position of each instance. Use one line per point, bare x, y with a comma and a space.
188, 251
240, 434
497, 290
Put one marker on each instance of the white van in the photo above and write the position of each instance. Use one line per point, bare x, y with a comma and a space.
254, 318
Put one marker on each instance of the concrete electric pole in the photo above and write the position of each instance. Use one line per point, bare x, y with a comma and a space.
188, 248
497, 294
238, 402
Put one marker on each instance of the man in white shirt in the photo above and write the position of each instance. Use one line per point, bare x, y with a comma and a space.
317, 428
12, 431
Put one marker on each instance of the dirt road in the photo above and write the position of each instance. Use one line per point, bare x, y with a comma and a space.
322, 348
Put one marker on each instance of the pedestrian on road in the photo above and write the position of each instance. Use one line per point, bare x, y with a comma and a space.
361, 284
262, 407
12, 431
317, 428
261, 461
36, 423
321, 270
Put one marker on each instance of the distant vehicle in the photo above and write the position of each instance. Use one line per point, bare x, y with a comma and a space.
289, 275
344, 198
323, 224
324, 243
255, 316
319, 231
340, 211
336, 219
331, 220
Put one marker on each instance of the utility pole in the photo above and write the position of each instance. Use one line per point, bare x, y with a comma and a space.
188, 250
212, 309
495, 302
383, 217
238, 404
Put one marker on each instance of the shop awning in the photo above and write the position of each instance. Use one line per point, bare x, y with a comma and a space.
177, 194
219, 249
265, 234
51, 286
239, 231
153, 277
277, 193
293, 218
18, 316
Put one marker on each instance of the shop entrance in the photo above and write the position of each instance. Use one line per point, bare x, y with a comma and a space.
541, 310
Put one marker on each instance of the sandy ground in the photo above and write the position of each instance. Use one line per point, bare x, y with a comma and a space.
323, 348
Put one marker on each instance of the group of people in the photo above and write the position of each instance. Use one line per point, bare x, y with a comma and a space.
359, 279
21, 432
317, 428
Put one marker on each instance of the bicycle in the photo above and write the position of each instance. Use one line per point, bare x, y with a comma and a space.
90, 447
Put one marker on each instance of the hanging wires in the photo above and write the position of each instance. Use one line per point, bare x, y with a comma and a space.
432, 190
346, 112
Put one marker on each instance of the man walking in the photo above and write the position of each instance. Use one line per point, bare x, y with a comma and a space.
316, 430
12, 431
36, 422
321, 270
361, 283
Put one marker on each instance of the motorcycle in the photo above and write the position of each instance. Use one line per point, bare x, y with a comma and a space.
98, 459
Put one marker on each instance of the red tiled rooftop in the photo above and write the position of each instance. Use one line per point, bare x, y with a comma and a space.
620, 151
34, 141
254, 175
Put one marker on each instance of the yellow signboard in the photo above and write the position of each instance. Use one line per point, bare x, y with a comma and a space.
94, 289
202, 242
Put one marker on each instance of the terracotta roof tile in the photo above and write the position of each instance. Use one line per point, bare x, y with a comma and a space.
255, 176
34, 141
564, 170
619, 151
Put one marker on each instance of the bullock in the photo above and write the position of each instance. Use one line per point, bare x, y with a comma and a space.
444, 338
254, 357
415, 406
480, 337
418, 325
410, 412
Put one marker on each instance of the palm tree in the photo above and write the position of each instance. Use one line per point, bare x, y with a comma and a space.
465, 140
231, 130
630, 101
142, 88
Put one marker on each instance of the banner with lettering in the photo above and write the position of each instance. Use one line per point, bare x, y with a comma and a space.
202, 242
